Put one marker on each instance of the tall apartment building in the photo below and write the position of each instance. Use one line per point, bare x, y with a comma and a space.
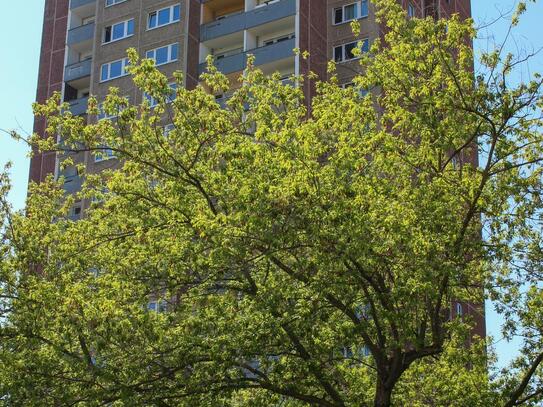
85, 41
84, 45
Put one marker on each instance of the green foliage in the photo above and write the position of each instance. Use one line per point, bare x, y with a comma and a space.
302, 259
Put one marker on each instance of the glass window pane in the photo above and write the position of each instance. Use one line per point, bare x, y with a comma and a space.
365, 46
150, 54
364, 8
173, 93
164, 16
338, 54
161, 55
176, 13
152, 20
107, 34
175, 49
338, 15
349, 50
150, 99
103, 75
350, 12
130, 28
118, 31
116, 69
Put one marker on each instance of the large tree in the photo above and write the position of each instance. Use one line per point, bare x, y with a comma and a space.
297, 256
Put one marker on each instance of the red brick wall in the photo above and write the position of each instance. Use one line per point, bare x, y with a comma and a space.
313, 38
193, 44
50, 76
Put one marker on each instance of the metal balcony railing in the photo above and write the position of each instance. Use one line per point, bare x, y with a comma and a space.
263, 55
78, 70
81, 34
246, 20
78, 107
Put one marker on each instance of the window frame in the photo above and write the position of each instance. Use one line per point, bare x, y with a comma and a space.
105, 154
125, 35
411, 12
158, 306
343, 46
171, 20
360, 6
168, 129
114, 3
168, 99
124, 64
264, 3
278, 39
170, 48
459, 310
361, 92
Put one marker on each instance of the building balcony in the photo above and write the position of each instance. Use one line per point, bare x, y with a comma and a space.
263, 55
274, 52
78, 70
72, 184
228, 25
75, 4
271, 12
81, 36
78, 107
245, 20
214, 10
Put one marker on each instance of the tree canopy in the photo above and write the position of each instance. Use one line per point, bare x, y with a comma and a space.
295, 252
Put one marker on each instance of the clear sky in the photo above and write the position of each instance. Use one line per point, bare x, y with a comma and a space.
20, 49
19, 70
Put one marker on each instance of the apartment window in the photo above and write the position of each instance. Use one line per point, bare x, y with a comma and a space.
168, 128
103, 155
361, 92
170, 98
262, 3
87, 20
70, 174
350, 12
113, 2
164, 55
356, 352
345, 52
459, 309
228, 53
75, 211
279, 39
164, 16
411, 10
157, 306
173, 94
118, 31
114, 69
287, 79
102, 115
225, 16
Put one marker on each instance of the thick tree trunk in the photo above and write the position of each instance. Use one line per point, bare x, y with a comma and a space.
383, 395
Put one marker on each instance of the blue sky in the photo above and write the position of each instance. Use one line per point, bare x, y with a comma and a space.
19, 71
